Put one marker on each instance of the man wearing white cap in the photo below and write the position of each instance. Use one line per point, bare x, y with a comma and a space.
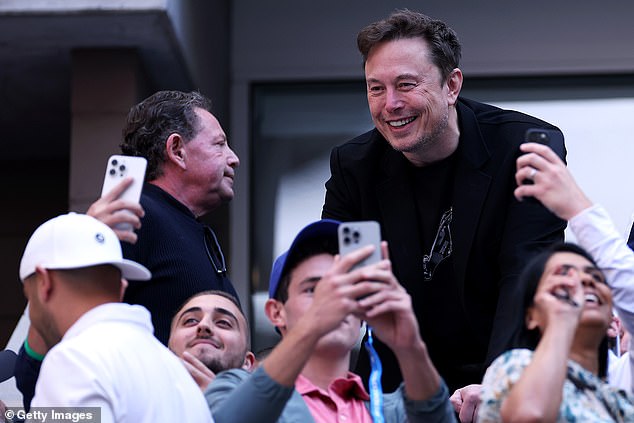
101, 352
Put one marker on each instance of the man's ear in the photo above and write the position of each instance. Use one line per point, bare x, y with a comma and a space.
276, 313
44, 284
249, 363
454, 85
124, 286
175, 150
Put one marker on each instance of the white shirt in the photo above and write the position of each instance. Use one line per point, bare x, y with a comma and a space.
596, 233
110, 359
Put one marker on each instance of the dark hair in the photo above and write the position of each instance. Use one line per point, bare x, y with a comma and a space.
219, 293
528, 282
152, 121
443, 41
299, 254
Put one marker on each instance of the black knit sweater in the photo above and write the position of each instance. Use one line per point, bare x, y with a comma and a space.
171, 244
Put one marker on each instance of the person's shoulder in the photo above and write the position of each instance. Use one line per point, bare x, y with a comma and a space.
160, 207
487, 114
366, 148
508, 364
238, 373
520, 354
224, 382
69, 355
231, 376
365, 142
151, 198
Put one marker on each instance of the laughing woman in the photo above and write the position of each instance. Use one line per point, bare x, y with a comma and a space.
561, 378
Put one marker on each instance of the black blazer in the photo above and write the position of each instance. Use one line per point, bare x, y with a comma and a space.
493, 233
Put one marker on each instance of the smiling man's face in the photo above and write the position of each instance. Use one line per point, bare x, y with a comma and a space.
213, 329
409, 102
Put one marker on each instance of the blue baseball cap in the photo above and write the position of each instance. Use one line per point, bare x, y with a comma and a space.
325, 228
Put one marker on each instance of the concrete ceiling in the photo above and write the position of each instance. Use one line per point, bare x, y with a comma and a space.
35, 70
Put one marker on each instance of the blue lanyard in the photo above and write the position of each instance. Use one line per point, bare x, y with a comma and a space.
376, 390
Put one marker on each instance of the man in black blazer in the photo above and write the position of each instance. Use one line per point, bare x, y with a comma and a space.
438, 173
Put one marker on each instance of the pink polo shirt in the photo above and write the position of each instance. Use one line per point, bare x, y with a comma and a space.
342, 403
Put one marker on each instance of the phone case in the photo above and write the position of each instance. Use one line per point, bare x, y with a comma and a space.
354, 235
550, 137
117, 168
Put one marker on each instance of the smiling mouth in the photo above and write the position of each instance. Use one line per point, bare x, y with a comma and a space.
592, 298
401, 122
205, 341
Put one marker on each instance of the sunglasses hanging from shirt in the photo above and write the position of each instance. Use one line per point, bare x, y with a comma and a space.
214, 252
441, 248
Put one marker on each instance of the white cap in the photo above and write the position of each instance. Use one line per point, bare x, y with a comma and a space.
73, 240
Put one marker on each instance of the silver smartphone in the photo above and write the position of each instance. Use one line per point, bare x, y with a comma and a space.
119, 167
354, 235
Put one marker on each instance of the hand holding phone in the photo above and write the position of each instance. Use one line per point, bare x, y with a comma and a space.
550, 137
118, 168
354, 235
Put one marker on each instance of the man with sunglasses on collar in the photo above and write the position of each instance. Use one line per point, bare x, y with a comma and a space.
190, 173
437, 173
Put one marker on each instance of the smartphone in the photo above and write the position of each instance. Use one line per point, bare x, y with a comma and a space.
550, 137
354, 235
119, 167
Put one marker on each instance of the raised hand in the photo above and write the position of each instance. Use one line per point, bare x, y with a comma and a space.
113, 211
553, 184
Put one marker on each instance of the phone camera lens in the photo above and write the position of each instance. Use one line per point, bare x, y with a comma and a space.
114, 162
540, 137
112, 172
122, 168
346, 230
356, 235
346, 240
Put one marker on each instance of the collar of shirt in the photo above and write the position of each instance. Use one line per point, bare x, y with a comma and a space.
126, 314
343, 402
155, 192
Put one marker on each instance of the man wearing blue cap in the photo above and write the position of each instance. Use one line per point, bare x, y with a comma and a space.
318, 304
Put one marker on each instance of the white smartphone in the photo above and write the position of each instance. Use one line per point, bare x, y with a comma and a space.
354, 235
119, 167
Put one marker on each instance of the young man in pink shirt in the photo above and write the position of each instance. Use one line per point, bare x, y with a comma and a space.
318, 302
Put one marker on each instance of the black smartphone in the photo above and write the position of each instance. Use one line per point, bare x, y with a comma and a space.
550, 137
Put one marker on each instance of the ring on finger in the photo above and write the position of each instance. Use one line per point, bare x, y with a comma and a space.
533, 173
